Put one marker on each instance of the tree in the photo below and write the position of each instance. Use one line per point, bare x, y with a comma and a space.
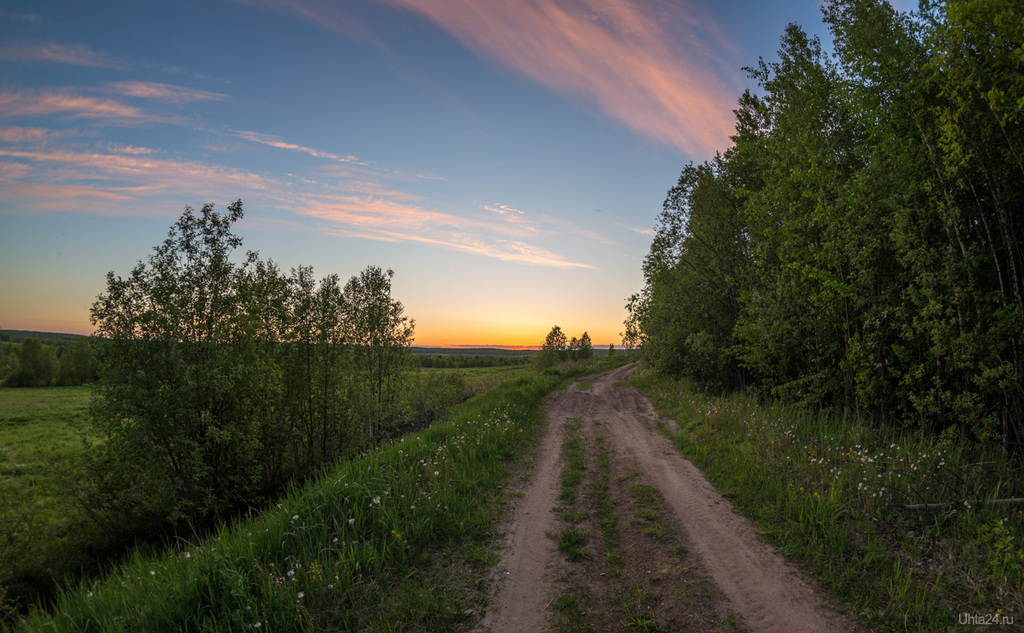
37, 365
554, 348
381, 334
174, 399
584, 349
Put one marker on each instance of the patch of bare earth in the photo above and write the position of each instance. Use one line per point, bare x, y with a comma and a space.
678, 557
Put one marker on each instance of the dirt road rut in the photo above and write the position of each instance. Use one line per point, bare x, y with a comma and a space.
766, 591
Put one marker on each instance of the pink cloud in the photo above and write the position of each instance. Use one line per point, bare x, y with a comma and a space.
166, 93
623, 55
397, 221
77, 55
653, 66
23, 134
121, 177
29, 103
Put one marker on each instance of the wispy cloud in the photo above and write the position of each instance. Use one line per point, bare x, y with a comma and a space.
644, 63
33, 103
649, 232
121, 178
543, 224
74, 54
165, 93
333, 16
391, 220
17, 134
47, 179
27, 17
279, 143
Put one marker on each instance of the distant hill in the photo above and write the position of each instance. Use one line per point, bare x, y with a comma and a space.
46, 338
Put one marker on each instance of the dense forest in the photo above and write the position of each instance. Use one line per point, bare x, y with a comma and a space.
860, 246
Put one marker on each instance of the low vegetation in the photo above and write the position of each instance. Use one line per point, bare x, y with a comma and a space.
906, 528
395, 539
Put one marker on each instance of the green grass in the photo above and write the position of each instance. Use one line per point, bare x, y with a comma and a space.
572, 540
41, 433
832, 491
480, 379
394, 540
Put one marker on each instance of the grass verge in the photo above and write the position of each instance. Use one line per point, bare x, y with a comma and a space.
394, 540
833, 492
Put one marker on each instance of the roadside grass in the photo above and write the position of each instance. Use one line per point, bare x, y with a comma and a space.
395, 540
832, 492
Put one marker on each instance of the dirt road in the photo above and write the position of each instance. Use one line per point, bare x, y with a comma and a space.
701, 536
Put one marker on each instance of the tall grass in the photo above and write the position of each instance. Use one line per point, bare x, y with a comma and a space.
333, 554
838, 494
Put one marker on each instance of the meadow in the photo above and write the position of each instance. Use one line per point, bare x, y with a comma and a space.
41, 529
910, 530
394, 539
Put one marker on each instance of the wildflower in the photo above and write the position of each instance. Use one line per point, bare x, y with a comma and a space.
376, 500
301, 595
257, 625
291, 572
351, 521
152, 573
295, 517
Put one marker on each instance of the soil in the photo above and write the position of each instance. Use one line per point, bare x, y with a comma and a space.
683, 559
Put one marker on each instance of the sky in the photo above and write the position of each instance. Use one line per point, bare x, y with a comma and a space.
507, 159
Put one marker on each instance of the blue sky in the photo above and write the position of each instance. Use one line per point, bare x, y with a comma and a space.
507, 159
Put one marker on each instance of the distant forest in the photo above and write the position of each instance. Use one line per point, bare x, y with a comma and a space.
861, 246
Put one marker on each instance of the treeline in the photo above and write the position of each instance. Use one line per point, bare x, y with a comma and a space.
31, 363
219, 382
557, 348
465, 361
861, 245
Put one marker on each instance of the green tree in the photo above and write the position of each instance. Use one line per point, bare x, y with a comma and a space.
174, 401
37, 365
381, 334
77, 363
585, 348
554, 349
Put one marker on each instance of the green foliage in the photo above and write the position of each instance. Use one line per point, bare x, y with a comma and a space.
859, 247
221, 381
557, 349
36, 366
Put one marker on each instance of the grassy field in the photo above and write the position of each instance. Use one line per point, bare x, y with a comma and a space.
483, 378
395, 540
840, 497
41, 432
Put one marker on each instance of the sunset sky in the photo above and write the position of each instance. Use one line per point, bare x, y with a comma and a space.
506, 158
